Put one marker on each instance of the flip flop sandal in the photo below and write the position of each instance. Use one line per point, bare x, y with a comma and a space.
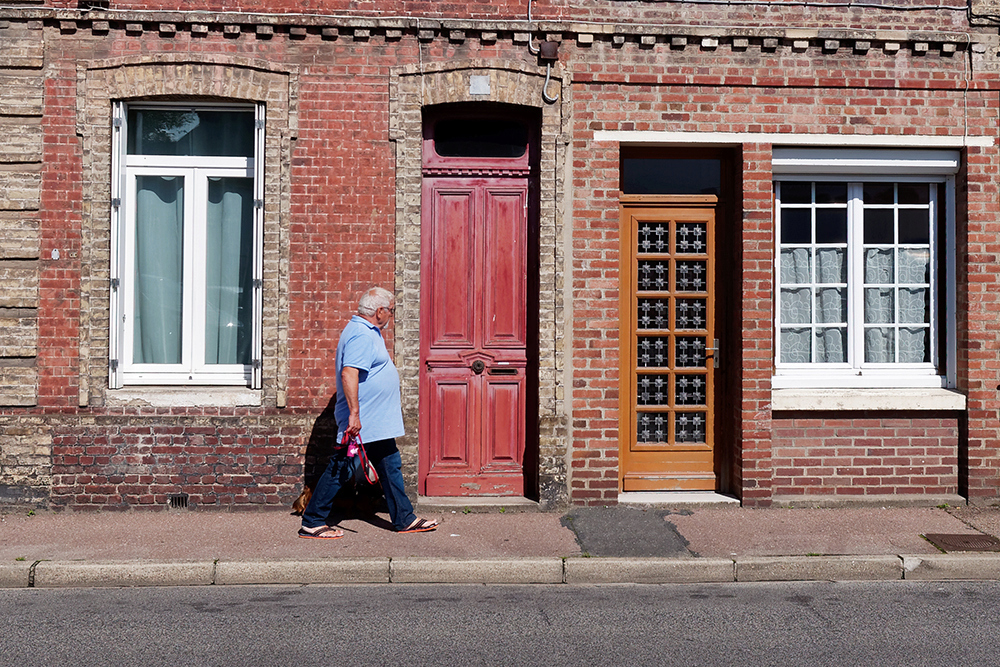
420, 526
323, 533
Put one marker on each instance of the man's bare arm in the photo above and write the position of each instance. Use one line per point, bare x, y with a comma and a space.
349, 382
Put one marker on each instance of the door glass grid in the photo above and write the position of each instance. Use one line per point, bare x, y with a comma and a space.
672, 283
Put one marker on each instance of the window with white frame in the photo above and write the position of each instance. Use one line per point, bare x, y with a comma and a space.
186, 245
864, 268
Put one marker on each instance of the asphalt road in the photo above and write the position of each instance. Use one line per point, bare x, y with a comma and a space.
882, 623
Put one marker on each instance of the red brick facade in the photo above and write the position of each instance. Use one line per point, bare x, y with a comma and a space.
344, 84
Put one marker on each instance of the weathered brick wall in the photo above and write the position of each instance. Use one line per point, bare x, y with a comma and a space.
829, 456
138, 459
343, 102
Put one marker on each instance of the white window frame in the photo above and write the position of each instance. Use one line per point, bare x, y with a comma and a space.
871, 165
196, 170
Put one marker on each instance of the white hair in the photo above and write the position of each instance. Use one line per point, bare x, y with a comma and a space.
373, 299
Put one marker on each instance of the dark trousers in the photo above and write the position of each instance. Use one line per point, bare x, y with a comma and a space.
389, 465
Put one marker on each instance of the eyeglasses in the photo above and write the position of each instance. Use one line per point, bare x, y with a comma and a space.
392, 311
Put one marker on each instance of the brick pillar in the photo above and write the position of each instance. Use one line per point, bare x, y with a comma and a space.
753, 465
979, 322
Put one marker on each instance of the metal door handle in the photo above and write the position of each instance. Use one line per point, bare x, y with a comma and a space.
478, 366
715, 353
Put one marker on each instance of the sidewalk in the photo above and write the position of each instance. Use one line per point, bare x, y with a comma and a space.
585, 545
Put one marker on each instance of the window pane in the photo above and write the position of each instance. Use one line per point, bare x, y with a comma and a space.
914, 305
914, 193
796, 266
479, 137
914, 226
190, 132
880, 346
229, 271
831, 305
796, 346
796, 306
159, 246
831, 225
795, 192
830, 346
914, 265
878, 266
796, 225
879, 226
879, 193
831, 265
831, 193
879, 306
667, 176
914, 346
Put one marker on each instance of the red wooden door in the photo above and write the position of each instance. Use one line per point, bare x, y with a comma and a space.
473, 335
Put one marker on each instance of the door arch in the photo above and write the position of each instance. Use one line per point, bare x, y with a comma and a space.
479, 301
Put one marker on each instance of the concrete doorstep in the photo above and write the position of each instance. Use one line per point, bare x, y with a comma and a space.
575, 570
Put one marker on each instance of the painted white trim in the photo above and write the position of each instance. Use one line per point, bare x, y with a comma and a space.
867, 399
777, 138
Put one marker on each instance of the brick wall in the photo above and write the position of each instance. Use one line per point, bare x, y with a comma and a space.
343, 100
830, 456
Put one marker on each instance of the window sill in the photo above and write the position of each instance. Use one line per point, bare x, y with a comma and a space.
170, 397
867, 399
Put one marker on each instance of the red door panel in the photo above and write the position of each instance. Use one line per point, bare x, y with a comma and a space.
451, 427
505, 268
473, 351
452, 251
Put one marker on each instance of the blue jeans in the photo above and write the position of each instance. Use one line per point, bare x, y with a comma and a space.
341, 469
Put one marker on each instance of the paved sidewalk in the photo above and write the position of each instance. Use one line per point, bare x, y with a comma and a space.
584, 545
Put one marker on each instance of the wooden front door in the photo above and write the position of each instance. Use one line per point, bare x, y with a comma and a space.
473, 335
669, 345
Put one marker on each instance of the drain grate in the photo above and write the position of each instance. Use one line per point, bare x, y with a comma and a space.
178, 501
963, 542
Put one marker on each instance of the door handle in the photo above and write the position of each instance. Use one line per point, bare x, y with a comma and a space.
715, 353
478, 366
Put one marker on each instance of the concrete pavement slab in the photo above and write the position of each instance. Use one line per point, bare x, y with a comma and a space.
935, 567
326, 571
62, 574
819, 568
476, 571
649, 570
270, 535
737, 531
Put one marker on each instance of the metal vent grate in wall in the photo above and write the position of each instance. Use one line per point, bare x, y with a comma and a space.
963, 542
178, 501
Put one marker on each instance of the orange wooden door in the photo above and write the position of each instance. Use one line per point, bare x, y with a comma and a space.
473, 336
669, 347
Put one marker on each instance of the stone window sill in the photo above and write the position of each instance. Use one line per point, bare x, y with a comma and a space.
175, 397
866, 399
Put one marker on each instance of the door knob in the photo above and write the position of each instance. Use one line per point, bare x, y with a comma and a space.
478, 366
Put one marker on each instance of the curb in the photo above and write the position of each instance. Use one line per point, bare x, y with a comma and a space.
577, 570
819, 568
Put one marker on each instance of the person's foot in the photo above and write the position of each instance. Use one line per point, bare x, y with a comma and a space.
421, 526
321, 533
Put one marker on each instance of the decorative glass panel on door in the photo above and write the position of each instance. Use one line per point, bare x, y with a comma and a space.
672, 286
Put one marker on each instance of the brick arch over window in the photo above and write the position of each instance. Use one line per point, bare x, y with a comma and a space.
411, 90
233, 80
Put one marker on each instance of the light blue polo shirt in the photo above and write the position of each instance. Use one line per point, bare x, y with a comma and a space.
361, 346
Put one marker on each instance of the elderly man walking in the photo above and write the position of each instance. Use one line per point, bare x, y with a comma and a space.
369, 407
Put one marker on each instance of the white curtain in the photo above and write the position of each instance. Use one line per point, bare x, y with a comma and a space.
159, 245
229, 275
811, 304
